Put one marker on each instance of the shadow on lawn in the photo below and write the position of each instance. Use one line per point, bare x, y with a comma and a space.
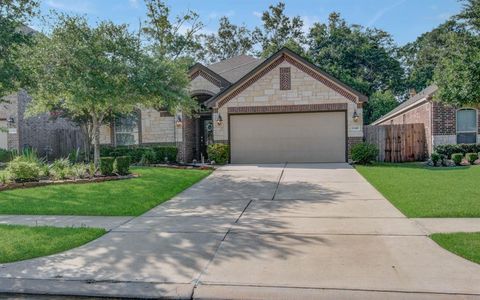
175, 242
419, 166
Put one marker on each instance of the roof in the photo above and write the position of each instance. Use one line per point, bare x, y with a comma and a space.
425, 94
260, 64
234, 68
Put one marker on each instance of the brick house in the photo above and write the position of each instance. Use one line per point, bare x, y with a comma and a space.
278, 109
49, 137
443, 124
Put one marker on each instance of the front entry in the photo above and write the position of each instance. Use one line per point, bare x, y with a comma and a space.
204, 134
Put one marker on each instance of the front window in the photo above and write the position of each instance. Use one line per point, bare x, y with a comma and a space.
466, 126
126, 130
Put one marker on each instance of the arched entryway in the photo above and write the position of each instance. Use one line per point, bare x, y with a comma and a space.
202, 126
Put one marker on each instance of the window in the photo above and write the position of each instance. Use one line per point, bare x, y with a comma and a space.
126, 130
466, 126
285, 79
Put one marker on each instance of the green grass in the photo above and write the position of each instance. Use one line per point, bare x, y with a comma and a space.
22, 242
130, 197
422, 192
466, 245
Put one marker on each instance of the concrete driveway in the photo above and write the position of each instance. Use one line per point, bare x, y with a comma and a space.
260, 232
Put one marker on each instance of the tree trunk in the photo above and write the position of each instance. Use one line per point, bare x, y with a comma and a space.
96, 140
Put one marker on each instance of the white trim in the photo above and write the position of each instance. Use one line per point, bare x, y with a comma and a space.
421, 101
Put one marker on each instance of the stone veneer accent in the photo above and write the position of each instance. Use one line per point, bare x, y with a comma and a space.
306, 94
203, 81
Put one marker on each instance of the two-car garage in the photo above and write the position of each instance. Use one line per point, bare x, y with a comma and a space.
288, 137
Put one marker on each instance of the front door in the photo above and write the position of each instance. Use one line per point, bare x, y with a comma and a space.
205, 135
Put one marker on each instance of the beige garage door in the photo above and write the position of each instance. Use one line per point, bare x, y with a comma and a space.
293, 137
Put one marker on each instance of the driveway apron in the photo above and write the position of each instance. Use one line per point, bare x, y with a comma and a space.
265, 231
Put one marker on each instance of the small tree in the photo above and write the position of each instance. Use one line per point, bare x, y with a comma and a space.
378, 105
92, 73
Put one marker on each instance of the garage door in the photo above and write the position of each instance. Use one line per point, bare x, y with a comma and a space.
292, 137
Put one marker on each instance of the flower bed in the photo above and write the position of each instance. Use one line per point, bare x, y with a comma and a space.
21, 185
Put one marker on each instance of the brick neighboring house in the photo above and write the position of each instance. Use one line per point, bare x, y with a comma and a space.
443, 124
52, 138
274, 110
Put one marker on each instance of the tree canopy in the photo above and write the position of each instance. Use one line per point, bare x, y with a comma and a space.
13, 35
95, 72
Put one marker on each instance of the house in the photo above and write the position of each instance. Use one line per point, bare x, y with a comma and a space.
280, 109
444, 124
50, 137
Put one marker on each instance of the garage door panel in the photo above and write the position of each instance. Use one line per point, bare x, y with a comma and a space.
293, 137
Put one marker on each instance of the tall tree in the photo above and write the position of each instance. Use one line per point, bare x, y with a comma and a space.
172, 37
279, 30
229, 41
93, 73
457, 73
361, 57
379, 104
13, 35
420, 57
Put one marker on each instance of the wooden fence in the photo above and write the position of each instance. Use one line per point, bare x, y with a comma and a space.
397, 143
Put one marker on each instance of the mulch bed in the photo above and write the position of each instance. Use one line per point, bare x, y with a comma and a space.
22, 185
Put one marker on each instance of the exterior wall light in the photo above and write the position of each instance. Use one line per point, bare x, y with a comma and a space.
178, 121
219, 120
355, 116
11, 121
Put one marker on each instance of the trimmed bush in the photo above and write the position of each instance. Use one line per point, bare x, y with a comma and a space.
148, 158
165, 154
457, 158
137, 153
218, 153
106, 165
448, 150
471, 158
6, 155
364, 153
22, 170
122, 165
435, 157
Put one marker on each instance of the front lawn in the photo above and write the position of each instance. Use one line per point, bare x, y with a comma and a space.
422, 192
466, 245
22, 242
130, 197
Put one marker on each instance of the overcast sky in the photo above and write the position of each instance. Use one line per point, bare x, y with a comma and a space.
404, 19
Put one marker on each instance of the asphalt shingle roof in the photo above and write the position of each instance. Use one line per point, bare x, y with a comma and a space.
236, 67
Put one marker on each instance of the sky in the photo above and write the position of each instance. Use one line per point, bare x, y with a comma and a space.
404, 19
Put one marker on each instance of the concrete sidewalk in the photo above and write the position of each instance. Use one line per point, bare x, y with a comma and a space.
448, 225
107, 223
309, 231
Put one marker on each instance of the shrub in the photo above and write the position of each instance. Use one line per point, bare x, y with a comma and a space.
60, 169
435, 157
106, 165
148, 158
122, 165
6, 155
218, 153
471, 158
23, 170
92, 170
364, 153
4, 178
457, 158
448, 150
137, 153
79, 171
165, 154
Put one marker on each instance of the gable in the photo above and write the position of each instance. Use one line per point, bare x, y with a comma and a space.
203, 83
292, 60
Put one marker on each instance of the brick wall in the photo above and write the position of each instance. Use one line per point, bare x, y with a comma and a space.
443, 119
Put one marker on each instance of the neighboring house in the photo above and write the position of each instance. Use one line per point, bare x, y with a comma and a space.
49, 137
443, 124
282, 109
